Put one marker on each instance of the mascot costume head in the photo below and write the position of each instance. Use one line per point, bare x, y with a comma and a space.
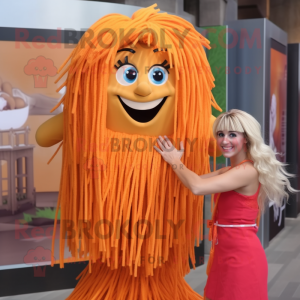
122, 207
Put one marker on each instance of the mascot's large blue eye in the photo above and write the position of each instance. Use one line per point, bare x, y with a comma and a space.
158, 75
127, 75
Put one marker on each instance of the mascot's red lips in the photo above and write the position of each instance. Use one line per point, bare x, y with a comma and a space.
142, 112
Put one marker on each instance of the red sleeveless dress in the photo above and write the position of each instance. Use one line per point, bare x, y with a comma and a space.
240, 269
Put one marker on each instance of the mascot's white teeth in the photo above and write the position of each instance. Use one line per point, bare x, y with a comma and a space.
141, 105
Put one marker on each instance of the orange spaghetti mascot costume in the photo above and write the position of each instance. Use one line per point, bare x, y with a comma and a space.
122, 207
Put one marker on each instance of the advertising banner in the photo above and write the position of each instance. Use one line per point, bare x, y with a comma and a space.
293, 127
277, 129
29, 186
217, 58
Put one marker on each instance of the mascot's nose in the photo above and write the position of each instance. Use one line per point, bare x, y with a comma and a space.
143, 89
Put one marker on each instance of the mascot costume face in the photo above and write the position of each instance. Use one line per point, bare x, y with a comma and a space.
122, 207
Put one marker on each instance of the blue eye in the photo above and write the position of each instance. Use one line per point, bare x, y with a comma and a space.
127, 75
158, 75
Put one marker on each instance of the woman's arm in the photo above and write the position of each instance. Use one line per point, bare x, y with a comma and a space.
232, 179
215, 173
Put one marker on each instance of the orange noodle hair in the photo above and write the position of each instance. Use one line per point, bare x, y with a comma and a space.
101, 190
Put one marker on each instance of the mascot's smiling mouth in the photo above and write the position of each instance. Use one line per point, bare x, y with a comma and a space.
142, 112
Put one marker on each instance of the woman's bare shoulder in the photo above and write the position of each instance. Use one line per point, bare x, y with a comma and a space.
250, 173
247, 169
223, 170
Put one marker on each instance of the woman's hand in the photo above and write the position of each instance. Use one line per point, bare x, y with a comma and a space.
168, 152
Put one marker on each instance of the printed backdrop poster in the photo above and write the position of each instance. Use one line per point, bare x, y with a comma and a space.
277, 132
278, 92
217, 35
28, 185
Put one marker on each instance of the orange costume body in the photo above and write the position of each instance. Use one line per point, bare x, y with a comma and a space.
132, 219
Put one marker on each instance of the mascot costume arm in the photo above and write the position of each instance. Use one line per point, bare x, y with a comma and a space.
50, 132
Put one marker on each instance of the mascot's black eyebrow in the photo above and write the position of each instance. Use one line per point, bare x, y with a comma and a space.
126, 49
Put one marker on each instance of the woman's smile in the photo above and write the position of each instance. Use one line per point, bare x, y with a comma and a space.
227, 149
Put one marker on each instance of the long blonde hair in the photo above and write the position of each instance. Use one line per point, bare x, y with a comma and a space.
272, 174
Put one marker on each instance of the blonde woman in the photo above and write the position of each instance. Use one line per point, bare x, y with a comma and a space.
238, 267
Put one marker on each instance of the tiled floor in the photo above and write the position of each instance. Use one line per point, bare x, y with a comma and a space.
283, 256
